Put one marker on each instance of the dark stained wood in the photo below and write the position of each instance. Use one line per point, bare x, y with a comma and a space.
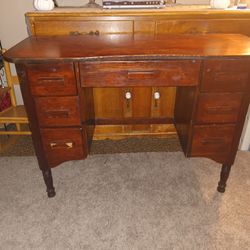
126, 47
183, 114
213, 91
58, 111
51, 79
218, 107
47, 176
140, 73
212, 141
62, 144
222, 75
134, 120
170, 20
32, 116
224, 174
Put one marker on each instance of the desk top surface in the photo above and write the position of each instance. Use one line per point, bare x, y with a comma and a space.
126, 47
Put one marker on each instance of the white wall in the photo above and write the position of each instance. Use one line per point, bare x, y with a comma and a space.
12, 21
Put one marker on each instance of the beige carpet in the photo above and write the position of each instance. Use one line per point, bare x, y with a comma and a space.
137, 201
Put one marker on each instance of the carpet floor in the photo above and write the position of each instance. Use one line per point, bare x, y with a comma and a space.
127, 201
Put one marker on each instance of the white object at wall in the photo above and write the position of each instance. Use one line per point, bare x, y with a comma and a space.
245, 137
219, 4
44, 4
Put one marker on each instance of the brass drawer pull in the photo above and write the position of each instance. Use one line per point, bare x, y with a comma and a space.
142, 74
57, 113
60, 144
215, 140
219, 109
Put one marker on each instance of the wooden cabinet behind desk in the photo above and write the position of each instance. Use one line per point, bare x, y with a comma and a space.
110, 103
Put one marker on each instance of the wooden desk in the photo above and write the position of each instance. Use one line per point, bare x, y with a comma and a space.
58, 75
179, 19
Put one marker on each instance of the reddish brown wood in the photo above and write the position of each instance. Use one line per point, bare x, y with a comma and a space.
184, 109
62, 145
58, 111
213, 91
218, 107
212, 141
52, 79
126, 47
140, 73
224, 75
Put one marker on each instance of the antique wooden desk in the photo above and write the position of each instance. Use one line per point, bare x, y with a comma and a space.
194, 19
58, 75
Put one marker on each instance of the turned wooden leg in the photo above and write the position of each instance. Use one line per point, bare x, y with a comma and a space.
47, 176
224, 174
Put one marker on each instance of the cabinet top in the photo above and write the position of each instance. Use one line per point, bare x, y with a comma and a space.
128, 47
177, 10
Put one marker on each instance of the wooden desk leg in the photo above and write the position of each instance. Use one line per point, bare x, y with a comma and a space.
224, 174
47, 176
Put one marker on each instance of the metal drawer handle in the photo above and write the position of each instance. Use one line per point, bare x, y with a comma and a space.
57, 113
61, 144
219, 109
215, 140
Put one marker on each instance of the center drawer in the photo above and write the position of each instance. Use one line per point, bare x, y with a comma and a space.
140, 73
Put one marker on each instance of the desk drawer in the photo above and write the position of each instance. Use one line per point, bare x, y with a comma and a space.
141, 73
58, 111
225, 75
62, 144
67, 26
212, 140
219, 108
52, 79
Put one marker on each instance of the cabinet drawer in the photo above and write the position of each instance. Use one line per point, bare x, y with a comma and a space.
219, 108
201, 26
52, 79
141, 73
58, 111
62, 144
225, 75
65, 26
212, 140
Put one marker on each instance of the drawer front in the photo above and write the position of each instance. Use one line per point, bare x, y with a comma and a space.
219, 108
201, 26
52, 79
146, 73
225, 75
62, 144
212, 140
58, 111
81, 27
